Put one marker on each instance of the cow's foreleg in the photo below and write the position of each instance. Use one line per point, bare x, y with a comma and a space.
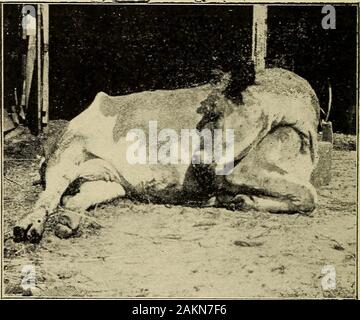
90, 194
62, 169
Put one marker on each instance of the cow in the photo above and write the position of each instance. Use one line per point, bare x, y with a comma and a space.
274, 120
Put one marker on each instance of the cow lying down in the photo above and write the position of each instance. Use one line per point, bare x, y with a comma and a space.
275, 152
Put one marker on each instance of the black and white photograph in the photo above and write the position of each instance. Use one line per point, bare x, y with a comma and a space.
179, 150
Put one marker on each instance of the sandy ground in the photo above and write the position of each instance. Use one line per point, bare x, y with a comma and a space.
127, 249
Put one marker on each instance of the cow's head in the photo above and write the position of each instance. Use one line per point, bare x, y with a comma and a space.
227, 86
220, 108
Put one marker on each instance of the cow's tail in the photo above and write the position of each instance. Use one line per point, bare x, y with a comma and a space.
313, 141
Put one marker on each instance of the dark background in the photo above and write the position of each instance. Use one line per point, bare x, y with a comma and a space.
124, 49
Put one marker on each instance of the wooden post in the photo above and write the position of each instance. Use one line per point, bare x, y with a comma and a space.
45, 54
39, 68
30, 64
259, 34
28, 23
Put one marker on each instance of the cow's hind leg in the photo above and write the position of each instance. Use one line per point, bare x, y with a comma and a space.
90, 194
274, 177
278, 194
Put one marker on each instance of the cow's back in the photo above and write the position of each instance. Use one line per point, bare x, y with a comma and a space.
173, 109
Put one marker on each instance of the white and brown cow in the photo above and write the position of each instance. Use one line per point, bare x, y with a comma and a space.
275, 151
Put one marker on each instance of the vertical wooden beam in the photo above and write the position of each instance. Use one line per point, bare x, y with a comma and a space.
45, 56
259, 36
29, 34
39, 68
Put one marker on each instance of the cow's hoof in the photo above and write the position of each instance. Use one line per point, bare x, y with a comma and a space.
68, 225
243, 203
34, 235
63, 232
19, 233
29, 230
70, 219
